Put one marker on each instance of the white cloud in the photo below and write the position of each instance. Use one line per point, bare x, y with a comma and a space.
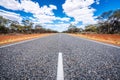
30, 6
59, 27
97, 1
44, 13
11, 4
41, 14
34, 7
62, 19
10, 15
48, 10
53, 7
49, 18
44, 18
80, 10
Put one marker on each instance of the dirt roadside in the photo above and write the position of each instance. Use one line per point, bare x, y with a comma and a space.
106, 38
12, 38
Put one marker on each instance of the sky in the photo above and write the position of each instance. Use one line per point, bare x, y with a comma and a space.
57, 14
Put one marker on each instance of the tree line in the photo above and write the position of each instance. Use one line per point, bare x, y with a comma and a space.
9, 26
108, 23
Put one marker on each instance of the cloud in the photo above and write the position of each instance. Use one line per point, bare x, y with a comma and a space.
44, 13
11, 4
30, 6
41, 14
34, 7
63, 19
48, 10
49, 18
44, 18
97, 1
10, 15
80, 10
59, 27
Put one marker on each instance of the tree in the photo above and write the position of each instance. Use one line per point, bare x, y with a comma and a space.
27, 26
71, 26
4, 29
72, 29
91, 28
109, 22
38, 26
114, 20
3, 23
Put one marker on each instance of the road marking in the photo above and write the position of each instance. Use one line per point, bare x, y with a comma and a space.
60, 72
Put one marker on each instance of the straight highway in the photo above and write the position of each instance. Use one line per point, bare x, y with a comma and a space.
80, 59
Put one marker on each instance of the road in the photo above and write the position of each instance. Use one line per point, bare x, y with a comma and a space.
38, 59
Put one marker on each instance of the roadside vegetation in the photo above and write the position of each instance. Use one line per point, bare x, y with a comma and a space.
108, 26
106, 30
108, 23
26, 27
13, 31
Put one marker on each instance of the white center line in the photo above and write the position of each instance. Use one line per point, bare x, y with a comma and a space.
60, 72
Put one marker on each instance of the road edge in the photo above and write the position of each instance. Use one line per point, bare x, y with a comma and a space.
95, 41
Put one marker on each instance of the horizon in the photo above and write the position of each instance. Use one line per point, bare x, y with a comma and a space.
57, 15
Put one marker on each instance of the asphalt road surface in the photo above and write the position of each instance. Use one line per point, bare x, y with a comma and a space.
38, 59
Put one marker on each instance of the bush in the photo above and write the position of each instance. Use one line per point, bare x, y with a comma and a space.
4, 29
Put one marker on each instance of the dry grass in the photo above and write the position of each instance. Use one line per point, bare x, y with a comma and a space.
11, 38
107, 38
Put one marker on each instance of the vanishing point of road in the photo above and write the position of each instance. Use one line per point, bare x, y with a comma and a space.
60, 57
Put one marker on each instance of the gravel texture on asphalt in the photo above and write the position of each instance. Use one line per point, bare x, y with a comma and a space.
33, 60
37, 59
87, 60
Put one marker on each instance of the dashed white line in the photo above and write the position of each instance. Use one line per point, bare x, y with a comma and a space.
60, 72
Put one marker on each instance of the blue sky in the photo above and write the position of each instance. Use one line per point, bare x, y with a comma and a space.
57, 14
